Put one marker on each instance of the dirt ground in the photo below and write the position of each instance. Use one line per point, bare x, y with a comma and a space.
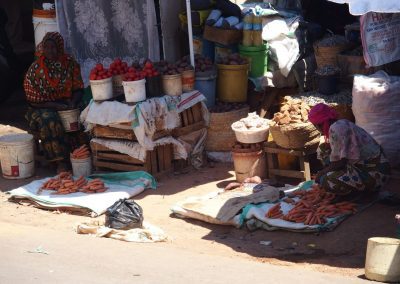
340, 252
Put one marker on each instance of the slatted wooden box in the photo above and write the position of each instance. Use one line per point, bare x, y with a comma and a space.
192, 120
157, 162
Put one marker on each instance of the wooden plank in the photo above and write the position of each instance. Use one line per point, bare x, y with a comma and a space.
287, 173
305, 167
98, 147
153, 159
185, 120
160, 158
197, 113
119, 157
114, 133
270, 165
116, 166
190, 116
168, 156
147, 165
283, 151
177, 132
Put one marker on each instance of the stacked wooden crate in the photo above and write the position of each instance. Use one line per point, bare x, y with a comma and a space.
192, 120
157, 161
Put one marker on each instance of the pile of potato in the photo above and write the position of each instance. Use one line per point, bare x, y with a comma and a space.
292, 111
227, 107
233, 59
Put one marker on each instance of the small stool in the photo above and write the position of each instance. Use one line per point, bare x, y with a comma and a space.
272, 151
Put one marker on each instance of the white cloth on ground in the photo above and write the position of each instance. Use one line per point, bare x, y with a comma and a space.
148, 234
98, 203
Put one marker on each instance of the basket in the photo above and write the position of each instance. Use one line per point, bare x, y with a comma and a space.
327, 55
220, 136
296, 135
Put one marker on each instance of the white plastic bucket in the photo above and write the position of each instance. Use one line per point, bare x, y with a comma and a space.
81, 167
102, 89
172, 84
70, 119
41, 26
135, 91
17, 156
382, 262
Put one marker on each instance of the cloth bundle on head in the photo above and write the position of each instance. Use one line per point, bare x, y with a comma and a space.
322, 114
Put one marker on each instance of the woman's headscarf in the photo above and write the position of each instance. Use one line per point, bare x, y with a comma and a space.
52, 80
322, 114
58, 40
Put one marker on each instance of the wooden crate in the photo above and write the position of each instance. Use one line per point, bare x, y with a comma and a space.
100, 131
192, 120
157, 161
222, 36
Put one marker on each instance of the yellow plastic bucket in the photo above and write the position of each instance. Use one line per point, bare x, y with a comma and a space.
232, 83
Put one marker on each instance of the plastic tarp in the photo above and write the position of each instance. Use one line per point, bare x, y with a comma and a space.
360, 7
120, 185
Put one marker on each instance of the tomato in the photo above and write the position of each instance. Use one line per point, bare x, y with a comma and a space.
99, 66
148, 65
92, 77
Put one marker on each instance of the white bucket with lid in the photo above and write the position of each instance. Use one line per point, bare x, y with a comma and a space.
102, 89
70, 119
41, 26
17, 156
135, 91
81, 167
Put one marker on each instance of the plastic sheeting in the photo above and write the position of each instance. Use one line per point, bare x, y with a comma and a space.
360, 7
376, 107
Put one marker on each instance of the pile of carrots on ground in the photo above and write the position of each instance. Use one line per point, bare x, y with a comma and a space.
313, 208
65, 184
81, 153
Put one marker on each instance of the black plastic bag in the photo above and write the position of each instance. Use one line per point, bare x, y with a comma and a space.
124, 214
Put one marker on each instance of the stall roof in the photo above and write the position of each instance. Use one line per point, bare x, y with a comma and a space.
360, 7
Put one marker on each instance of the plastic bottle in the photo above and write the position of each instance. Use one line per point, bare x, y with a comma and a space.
213, 17
230, 22
247, 29
257, 31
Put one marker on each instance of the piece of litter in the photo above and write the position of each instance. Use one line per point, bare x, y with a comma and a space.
39, 249
265, 243
311, 245
294, 244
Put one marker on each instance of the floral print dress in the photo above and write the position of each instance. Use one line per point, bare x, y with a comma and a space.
367, 168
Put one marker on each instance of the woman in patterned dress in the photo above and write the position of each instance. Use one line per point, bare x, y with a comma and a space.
53, 82
353, 161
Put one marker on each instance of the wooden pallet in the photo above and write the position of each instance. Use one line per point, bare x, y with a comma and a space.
157, 161
100, 131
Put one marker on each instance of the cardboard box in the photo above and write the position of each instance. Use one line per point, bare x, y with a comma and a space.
222, 36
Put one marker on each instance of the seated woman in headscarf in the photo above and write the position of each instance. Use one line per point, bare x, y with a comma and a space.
353, 161
53, 82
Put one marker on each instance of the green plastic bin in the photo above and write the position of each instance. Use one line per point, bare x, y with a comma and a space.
258, 59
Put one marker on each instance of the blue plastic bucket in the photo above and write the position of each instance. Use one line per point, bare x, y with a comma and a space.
209, 49
206, 84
